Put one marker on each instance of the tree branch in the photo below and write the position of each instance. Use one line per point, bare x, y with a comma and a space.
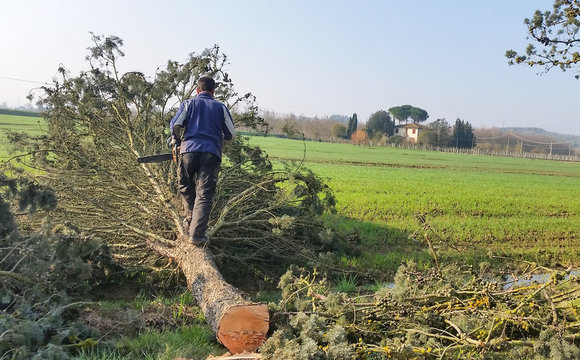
15, 276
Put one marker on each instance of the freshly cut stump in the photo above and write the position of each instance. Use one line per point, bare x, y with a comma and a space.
244, 327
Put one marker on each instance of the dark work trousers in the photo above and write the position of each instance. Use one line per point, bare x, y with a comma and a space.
198, 174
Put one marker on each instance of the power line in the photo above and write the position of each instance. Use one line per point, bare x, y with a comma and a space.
23, 80
492, 138
528, 140
543, 143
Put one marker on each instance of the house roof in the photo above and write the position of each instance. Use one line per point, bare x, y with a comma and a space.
411, 126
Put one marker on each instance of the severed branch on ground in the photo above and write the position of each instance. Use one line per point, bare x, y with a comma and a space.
460, 314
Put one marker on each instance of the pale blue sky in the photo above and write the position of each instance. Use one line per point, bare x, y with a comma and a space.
313, 57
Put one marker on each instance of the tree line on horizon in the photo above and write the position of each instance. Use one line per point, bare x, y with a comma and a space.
378, 130
437, 134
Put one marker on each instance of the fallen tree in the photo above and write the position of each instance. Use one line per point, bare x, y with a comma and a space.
239, 324
102, 120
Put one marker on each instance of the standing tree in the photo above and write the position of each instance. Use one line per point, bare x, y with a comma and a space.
380, 121
406, 112
352, 126
463, 136
101, 121
338, 131
437, 133
290, 129
359, 137
418, 115
401, 113
556, 33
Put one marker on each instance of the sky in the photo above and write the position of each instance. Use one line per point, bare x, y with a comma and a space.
312, 57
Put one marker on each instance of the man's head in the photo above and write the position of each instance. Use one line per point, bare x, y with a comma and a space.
206, 83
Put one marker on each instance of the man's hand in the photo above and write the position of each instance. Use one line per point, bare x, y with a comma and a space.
174, 144
177, 133
171, 141
175, 152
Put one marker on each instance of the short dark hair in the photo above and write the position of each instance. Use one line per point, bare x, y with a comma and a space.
206, 83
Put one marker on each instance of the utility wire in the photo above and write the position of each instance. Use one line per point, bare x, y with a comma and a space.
491, 138
543, 143
528, 140
23, 80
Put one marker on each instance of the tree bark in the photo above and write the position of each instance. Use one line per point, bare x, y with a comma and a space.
239, 325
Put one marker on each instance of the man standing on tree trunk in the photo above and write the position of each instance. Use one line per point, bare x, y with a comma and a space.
206, 124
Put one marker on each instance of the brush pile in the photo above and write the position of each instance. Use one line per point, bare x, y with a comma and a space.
450, 312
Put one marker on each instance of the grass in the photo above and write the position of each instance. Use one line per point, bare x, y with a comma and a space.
346, 283
33, 126
150, 327
191, 342
28, 124
519, 208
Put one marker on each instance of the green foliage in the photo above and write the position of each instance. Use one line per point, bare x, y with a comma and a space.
101, 355
447, 313
311, 337
339, 131
418, 115
401, 113
463, 136
556, 35
406, 112
347, 283
380, 121
42, 272
352, 126
437, 134
395, 139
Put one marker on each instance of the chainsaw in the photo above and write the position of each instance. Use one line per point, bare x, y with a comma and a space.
161, 157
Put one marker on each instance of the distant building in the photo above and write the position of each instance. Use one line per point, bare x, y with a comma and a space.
410, 132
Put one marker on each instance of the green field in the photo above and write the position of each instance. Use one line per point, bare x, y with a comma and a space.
30, 125
521, 208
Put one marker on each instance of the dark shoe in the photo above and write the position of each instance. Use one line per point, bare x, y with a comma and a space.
201, 242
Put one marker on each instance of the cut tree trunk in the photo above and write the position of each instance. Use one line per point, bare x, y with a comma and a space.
239, 325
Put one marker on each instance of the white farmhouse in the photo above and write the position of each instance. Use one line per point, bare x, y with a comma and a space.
409, 131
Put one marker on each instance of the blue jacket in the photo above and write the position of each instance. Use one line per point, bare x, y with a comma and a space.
207, 123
